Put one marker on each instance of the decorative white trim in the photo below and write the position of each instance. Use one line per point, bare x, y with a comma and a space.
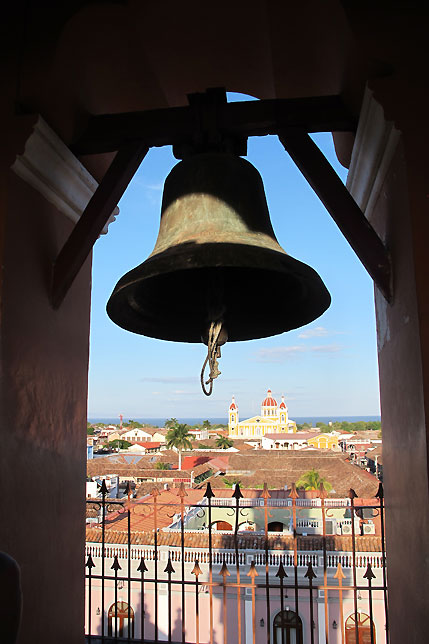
248, 620
321, 620
52, 169
373, 150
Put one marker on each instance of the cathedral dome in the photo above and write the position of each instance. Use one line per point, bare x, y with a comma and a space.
269, 400
283, 404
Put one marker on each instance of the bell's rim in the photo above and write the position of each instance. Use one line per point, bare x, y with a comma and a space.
241, 269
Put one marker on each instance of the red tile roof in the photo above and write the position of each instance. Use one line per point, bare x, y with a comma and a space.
367, 543
148, 445
189, 462
219, 462
143, 511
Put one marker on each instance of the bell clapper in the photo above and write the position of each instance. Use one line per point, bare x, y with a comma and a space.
216, 337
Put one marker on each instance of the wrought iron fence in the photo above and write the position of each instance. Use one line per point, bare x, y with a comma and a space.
239, 586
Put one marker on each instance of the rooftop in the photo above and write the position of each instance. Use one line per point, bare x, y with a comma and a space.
367, 543
253, 468
302, 436
282, 468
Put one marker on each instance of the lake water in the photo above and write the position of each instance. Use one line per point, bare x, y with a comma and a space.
224, 421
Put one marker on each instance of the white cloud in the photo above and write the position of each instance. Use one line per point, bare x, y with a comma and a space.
157, 187
326, 348
181, 380
152, 187
170, 380
282, 354
318, 332
315, 332
278, 354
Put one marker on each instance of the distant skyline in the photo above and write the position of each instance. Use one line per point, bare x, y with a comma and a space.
327, 368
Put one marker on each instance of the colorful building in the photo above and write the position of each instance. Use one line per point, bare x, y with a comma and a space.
301, 440
273, 419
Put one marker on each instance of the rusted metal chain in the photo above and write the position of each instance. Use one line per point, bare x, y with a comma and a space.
213, 353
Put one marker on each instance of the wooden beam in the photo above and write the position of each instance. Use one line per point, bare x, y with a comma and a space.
176, 125
94, 218
342, 207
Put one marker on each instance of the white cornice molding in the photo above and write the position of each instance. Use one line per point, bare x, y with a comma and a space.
373, 150
49, 166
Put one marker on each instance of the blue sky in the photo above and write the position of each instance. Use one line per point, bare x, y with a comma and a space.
328, 368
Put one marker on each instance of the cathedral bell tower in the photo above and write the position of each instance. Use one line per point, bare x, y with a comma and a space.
233, 418
283, 416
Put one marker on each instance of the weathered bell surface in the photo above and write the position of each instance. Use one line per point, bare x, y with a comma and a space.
216, 256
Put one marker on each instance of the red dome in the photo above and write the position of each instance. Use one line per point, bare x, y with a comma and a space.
282, 404
233, 405
269, 400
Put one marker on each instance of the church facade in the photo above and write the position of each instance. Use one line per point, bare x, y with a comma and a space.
273, 419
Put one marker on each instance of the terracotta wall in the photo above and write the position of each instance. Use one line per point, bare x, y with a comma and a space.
43, 388
402, 330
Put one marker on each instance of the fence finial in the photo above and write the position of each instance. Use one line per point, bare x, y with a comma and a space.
209, 494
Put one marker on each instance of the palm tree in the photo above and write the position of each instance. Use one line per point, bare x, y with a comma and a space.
170, 423
180, 438
159, 465
311, 480
223, 442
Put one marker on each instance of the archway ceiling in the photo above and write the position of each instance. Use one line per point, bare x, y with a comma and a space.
140, 55
82, 57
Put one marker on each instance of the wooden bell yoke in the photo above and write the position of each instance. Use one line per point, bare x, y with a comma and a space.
210, 124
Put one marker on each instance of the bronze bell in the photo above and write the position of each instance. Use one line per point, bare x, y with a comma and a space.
216, 257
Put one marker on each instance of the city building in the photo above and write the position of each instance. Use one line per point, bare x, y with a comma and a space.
140, 435
272, 419
374, 461
357, 444
236, 566
89, 447
300, 440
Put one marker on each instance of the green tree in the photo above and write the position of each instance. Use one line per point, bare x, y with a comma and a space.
302, 426
231, 482
159, 465
311, 480
223, 442
89, 430
206, 424
180, 438
170, 423
119, 444
134, 424
324, 427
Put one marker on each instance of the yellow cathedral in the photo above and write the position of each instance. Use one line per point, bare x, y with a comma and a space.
274, 419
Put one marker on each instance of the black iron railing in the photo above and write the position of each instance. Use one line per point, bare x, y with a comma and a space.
200, 579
